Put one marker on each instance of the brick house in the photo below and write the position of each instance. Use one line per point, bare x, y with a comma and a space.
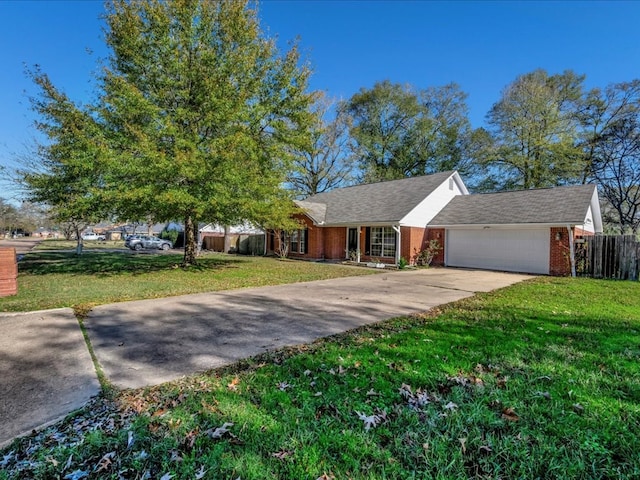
382, 221
523, 231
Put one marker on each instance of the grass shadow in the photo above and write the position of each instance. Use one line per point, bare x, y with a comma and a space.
110, 263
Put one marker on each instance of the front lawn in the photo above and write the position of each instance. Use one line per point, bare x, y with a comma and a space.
539, 380
60, 278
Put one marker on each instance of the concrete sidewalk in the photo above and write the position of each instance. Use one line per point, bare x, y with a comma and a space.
46, 370
148, 342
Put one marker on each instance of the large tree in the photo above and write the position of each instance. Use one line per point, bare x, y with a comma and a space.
196, 116
201, 112
325, 163
536, 125
64, 170
399, 131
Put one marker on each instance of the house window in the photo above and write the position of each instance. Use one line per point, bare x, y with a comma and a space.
298, 241
383, 242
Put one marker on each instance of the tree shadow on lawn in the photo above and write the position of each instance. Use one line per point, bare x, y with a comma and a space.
112, 263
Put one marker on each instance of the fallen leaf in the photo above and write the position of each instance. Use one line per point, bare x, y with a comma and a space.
176, 456
234, 384
372, 393
167, 476
546, 395
200, 473
510, 414
450, 406
306, 373
372, 421
105, 461
7, 458
463, 444
76, 475
129, 439
485, 448
405, 390
220, 431
578, 408
282, 454
282, 386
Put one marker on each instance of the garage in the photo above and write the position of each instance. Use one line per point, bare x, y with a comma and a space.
508, 249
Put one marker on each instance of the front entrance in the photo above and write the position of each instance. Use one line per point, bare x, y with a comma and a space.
352, 241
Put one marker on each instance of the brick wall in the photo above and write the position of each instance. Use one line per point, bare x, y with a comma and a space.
436, 234
335, 242
8, 272
559, 254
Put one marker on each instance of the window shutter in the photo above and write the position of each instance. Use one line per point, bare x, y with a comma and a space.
367, 244
305, 239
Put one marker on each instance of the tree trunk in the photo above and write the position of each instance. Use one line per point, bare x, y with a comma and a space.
190, 247
227, 239
79, 240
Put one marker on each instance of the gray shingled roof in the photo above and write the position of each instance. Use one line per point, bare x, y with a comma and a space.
559, 205
383, 202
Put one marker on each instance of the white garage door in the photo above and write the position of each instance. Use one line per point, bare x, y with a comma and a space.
519, 250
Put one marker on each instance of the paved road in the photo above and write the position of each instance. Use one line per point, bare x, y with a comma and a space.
22, 244
46, 370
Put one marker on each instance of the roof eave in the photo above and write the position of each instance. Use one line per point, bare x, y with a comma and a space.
572, 223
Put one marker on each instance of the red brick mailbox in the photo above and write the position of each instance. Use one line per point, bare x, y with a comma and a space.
8, 272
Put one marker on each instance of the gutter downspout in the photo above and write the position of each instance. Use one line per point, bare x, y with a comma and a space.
398, 243
358, 245
572, 253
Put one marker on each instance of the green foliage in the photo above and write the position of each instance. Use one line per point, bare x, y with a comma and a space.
424, 257
538, 380
202, 111
65, 171
400, 132
402, 264
171, 235
536, 130
196, 116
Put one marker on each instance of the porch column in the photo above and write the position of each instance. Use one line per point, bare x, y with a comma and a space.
358, 247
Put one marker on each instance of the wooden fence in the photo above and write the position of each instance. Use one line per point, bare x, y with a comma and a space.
608, 256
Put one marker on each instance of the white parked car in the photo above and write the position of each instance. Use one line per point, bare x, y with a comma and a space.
93, 236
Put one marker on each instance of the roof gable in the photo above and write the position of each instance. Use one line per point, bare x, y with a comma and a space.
382, 202
559, 205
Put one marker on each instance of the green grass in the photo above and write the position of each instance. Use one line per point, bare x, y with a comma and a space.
53, 278
539, 380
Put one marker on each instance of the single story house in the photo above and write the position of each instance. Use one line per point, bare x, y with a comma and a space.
521, 231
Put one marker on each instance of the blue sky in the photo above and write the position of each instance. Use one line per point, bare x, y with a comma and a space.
481, 45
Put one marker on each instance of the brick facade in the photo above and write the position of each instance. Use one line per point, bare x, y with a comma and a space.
8, 272
437, 234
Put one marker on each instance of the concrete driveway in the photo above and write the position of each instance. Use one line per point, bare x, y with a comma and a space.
148, 342
47, 372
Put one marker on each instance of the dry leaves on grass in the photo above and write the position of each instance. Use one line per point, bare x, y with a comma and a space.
372, 421
510, 414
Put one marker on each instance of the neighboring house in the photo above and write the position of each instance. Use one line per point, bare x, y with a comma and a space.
523, 231
380, 221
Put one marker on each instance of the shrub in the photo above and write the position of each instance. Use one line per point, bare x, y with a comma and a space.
425, 257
